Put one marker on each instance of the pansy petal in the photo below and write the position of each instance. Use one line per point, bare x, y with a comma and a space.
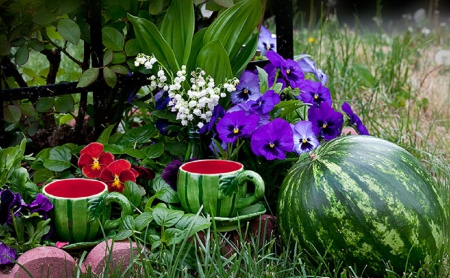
118, 166
106, 158
94, 149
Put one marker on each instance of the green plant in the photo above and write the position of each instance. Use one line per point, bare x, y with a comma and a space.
367, 202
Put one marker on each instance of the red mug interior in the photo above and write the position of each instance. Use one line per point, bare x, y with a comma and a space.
211, 166
75, 188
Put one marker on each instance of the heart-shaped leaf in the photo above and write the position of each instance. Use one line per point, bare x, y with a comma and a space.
69, 30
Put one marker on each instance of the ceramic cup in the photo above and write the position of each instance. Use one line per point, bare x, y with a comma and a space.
219, 185
70, 215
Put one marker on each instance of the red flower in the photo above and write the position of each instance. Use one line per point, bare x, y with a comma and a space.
93, 160
116, 174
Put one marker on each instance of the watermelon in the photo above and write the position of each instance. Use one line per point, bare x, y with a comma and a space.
365, 202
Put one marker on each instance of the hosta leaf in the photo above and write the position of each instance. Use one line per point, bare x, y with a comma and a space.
112, 38
64, 104
12, 114
110, 77
177, 28
88, 77
219, 67
150, 41
69, 30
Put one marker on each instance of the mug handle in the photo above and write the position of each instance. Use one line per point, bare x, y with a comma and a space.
122, 201
255, 178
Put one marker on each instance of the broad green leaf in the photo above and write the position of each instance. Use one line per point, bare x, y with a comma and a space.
108, 57
42, 175
156, 6
197, 45
64, 104
151, 41
224, 3
43, 16
165, 217
104, 137
132, 193
131, 47
27, 109
110, 77
127, 223
122, 235
143, 219
140, 134
193, 223
244, 56
154, 150
59, 159
69, 30
66, 7
22, 55
12, 114
44, 104
52, 34
173, 236
88, 77
18, 42
112, 38
115, 12
164, 192
135, 153
218, 67
36, 44
65, 119
234, 26
118, 58
177, 28
119, 69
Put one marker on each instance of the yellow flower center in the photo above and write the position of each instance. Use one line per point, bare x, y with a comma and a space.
116, 182
245, 91
235, 130
272, 145
316, 96
288, 71
324, 126
304, 141
96, 164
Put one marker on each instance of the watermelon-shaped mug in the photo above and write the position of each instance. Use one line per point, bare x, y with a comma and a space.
220, 186
72, 199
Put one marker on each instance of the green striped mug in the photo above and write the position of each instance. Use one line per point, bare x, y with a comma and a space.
220, 186
70, 214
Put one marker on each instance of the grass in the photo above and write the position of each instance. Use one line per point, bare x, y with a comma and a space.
392, 81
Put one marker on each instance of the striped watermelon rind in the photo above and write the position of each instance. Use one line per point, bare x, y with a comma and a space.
364, 201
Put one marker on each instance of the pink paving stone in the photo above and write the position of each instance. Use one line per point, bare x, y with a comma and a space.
120, 257
45, 262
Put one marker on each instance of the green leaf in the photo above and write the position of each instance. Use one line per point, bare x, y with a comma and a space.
44, 104
234, 26
115, 12
110, 77
224, 3
133, 193
165, 217
27, 109
177, 28
156, 7
64, 104
151, 41
219, 67
227, 186
119, 69
96, 207
131, 47
88, 77
5, 48
241, 61
12, 114
69, 30
118, 57
108, 57
140, 134
193, 222
66, 7
112, 38
123, 234
59, 159
128, 223
36, 44
43, 17
154, 151
22, 55
104, 137
164, 192
173, 236
143, 219
197, 45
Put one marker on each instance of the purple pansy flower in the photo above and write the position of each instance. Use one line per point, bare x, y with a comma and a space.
354, 119
273, 140
266, 41
161, 100
308, 65
275, 59
247, 89
304, 138
9, 201
314, 93
292, 73
41, 205
170, 173
236, 125
6, 254
272, 76
326, 122
266, 102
